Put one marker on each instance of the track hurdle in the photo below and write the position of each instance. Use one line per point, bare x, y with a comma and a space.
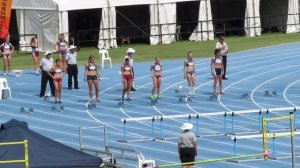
291, 134
214, 160
25, 160
229, 120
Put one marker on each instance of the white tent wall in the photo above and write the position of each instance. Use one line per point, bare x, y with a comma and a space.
204, 30
42, 23
273, 15
107, 33
37, 17
293, 17
162, 19
63, 25
252, 18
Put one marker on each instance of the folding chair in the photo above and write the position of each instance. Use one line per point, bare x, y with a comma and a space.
104, 57
4, 87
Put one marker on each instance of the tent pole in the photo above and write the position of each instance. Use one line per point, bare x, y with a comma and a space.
109, 28
207, 31
158, 23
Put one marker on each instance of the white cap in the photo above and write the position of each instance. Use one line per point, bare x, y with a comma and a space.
186, 126
72, 47
48, 53
130, 50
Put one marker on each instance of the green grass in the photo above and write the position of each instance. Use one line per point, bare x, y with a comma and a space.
178, 50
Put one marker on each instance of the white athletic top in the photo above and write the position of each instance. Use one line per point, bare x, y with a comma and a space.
6, 46
218, 61
130, 60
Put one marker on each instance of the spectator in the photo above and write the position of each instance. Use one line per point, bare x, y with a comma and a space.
187, 145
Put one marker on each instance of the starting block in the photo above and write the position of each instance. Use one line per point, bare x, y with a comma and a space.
26, 110
47, 97
213, 98
57, 108
178, 88
270, 93
17, 73
91, 106
185, 100
244, 96
153, 102
121, 104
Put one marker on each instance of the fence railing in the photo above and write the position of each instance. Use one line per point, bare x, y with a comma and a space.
224, 27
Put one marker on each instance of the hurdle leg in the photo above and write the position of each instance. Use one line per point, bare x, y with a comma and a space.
273, 148
295, 127
197, 125
161, 128
234, 151
232, 123
124, 131
225, 124
259, 122
152, 129
292, 139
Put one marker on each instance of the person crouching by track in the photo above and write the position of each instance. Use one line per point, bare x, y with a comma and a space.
56, 72
187, 145
127, 76
217, 71
92, 77
72, 67
156, 74
189, 73
6, 50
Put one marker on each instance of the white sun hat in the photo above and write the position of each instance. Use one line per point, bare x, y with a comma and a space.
48, 53
130, 50
186, 126
72, 47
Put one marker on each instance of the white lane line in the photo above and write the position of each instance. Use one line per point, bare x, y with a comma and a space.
285, 92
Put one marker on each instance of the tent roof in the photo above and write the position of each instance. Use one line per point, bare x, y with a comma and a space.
66, 5
34, 4
43, 152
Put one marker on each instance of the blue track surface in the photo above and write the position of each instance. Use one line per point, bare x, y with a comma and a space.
253, 72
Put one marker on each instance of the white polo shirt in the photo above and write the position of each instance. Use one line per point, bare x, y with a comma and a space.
72, 58
223, 47
46, 64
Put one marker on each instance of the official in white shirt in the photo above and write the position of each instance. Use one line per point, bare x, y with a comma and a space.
45, 65
71, 58
130, 52
222, 46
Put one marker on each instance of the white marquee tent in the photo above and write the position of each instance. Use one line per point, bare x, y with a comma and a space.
48, 18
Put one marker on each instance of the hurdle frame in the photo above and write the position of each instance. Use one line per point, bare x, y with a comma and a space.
265, 130
26, 158
227, 124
